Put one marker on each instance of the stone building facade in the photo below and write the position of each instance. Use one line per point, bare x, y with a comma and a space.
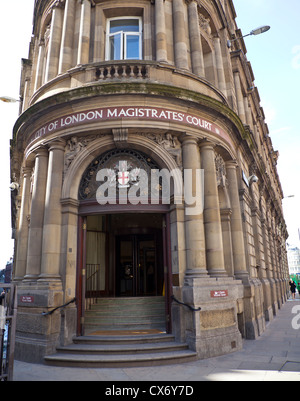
129, 86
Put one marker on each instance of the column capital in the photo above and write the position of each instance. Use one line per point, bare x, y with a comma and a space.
58, 4
205, 143
231, 164
41, 151
186, 138
191, 2
26, 171
58, 144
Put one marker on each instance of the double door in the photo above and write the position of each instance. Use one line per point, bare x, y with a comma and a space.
138, 266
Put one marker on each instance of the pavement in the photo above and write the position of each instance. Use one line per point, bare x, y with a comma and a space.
274, 356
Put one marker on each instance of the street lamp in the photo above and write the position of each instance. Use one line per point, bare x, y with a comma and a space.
8, 99
257, 31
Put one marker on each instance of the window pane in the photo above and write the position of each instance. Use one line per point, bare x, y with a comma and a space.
132, 47
125, 25
115, 47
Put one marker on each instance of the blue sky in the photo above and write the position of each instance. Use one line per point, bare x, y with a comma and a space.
275, 58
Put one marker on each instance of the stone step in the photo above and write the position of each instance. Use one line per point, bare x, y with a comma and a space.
121, 351
125, 311
119, 361
123, 303
91, 328
126, 314
123, 319
124, 339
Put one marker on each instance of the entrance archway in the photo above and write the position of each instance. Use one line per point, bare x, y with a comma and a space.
123, 248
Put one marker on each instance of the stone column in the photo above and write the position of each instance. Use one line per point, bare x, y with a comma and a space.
275, 258
33, 267
84, 33
220, 65
272, 276
51, 250
40, 66
54, 42
195, 39
265, 276
239, 97
66, 51
248, 114
99, 38
180, 46
238, 245
161, 38
23, 226
212, 217
194, 228
227, 241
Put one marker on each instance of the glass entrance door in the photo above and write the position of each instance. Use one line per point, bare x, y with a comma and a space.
136, 266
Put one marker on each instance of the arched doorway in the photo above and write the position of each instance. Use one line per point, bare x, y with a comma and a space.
123, 250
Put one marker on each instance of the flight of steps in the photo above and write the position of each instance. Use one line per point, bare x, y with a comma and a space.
122, 351
143, 342
126, 314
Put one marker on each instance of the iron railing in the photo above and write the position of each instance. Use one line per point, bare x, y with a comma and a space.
8, 317
92, 290
191, 308
59, 307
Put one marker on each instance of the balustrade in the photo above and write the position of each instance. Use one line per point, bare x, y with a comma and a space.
121, 71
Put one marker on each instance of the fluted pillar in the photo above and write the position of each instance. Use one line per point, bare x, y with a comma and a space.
33, 267
52, 219
84, 33
160, 26
180, 46
54, 42
220, 65
40, 66
212, 217
195, 39
194, 228
66, 51
23, 230
239, 97
238, 245
272, 274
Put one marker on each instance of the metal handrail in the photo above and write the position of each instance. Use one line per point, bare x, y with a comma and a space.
59, 307
92, 284
184, 304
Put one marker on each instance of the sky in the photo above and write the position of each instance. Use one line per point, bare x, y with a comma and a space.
275, 59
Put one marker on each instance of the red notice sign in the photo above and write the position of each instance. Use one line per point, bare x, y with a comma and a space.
27, 299
219, 294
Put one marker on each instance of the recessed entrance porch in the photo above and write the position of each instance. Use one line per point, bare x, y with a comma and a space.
123, 285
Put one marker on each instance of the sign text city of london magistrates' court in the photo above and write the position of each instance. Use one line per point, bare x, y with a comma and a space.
116, 113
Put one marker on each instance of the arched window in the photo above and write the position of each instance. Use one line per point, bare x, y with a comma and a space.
124, 38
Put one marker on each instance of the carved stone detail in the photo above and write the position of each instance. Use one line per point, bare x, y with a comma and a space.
169, 142
120, 137
75, 146
220, 171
